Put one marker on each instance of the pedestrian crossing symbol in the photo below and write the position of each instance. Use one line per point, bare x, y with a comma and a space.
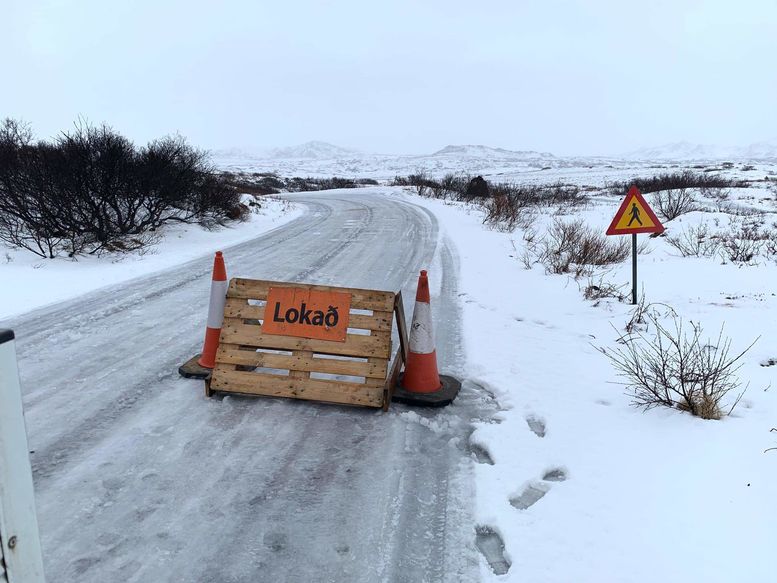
635, 216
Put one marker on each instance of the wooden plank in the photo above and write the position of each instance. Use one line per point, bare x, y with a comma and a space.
279, 386
239, 308
361, 299
399, 310
228, 354
391, 381
384, 337
234, 331
302, 355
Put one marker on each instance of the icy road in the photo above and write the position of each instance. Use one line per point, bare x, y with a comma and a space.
139, 477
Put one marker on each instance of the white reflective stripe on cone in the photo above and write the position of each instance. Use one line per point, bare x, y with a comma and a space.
422, 331
218, 299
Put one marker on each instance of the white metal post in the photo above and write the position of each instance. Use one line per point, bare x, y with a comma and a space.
20, 551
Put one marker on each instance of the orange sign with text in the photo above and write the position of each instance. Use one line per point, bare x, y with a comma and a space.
307, 313
635, 216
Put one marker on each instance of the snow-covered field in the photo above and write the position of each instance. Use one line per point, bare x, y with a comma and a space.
580, 485
31, 282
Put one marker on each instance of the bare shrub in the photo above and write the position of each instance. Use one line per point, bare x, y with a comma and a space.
501, 213
598, 288
455, 185
91, 190
678, 369
670, 204
770, 244
695, 241
745, 241
423, 183
644, 312
676, 180
573, 246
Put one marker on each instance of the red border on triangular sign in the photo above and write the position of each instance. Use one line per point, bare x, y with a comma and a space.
634, 192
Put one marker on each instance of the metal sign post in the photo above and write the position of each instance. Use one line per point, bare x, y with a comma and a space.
20, 553
634, 269
634, 216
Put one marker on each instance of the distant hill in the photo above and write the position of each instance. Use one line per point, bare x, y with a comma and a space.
478, 151
690, 151
314, 150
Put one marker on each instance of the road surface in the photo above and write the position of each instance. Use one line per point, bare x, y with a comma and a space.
139, 477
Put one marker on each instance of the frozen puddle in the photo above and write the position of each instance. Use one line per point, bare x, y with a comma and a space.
532, 494
536, 425
492, 547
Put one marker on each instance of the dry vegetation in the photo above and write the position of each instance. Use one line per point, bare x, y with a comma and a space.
92, 191
677, 368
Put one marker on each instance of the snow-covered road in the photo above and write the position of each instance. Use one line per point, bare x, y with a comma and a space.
139, 477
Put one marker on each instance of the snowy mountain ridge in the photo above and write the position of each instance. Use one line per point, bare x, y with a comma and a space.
314, 150
480, 151
690, 151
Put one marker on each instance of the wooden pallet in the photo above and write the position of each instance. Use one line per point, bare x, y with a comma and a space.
359, 371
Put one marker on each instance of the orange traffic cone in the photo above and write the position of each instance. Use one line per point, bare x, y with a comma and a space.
200, 366
421, 383
218, 299
421, 374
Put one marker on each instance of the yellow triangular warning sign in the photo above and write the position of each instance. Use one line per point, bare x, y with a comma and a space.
635, 216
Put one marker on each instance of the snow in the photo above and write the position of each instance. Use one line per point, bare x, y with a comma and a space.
611, 493
31, 282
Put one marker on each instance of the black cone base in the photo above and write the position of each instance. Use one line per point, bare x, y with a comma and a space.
445, 396
192, 370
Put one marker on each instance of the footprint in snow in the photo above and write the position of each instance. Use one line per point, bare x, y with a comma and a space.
530, 495
535, 491
555, 475
478, 451
536, 424
482, 455
492, 547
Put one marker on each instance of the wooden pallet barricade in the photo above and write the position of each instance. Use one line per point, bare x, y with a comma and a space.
349, 365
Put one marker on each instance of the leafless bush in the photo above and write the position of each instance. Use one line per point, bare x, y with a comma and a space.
503, 203
572, 246
695, 241
745, 241
678, 369
423, 183
676, 180
454, 185
643, 312
598, 288
670, 204
91, 190
770, 245
501, 213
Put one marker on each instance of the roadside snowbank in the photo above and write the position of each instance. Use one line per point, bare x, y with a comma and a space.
29, 282
601, 491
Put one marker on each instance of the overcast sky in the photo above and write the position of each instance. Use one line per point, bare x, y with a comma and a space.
569, 77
